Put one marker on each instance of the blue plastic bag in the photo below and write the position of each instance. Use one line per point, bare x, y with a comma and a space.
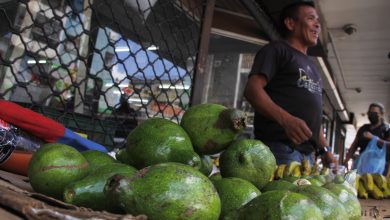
373, 158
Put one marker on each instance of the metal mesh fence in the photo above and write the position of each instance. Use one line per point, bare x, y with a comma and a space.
100, 66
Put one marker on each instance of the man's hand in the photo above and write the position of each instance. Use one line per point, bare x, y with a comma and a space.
296, 129
328, 159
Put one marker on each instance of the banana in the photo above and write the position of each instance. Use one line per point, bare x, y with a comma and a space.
357, 181
314, 169
380, 181
297, 171
362, 193
388, 182
288, 171
305, 168
278, 174
368, 181
386, 192
376, 193
324, 171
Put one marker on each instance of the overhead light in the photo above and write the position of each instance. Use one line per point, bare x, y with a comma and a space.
168, 86
152, 47
120, 85
144, 101
122, 49
34, 62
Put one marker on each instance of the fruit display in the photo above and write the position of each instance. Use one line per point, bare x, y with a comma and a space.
161, 175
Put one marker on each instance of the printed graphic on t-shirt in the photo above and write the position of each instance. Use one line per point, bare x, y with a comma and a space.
306, 82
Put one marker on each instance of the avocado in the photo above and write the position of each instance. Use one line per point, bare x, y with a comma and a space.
88, 192
278, 185
215, 176
53, 166
166, 191
250, 160
290, 179
280, 204
314, 181
329, 204
348, 199
212, 127
234, 193
158, 140
122, 156
96, 158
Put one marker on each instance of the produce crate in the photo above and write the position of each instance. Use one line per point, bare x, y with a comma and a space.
18, 201
375, 209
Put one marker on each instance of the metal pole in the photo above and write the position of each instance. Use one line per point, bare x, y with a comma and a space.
82, 68
201, 60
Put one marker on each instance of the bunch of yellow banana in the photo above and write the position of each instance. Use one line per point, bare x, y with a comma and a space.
292, 169
373, 185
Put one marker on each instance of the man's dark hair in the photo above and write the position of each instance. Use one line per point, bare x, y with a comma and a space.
291, 11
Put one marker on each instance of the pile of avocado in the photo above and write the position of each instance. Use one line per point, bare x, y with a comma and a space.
201, 168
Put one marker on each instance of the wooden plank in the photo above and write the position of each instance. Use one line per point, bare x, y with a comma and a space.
16, 180
8, 215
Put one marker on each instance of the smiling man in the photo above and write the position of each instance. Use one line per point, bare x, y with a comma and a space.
285, 89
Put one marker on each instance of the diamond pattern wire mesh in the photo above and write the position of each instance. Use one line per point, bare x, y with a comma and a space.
100, 67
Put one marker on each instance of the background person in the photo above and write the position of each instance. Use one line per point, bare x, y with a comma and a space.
285, 89
377, 127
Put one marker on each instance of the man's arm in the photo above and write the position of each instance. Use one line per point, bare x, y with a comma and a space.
295, 128
380, 141
327, 157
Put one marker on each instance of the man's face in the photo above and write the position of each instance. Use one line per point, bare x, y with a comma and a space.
307, 26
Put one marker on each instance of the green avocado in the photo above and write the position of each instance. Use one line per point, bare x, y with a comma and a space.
122, 156
212, 127
215, 176
290, 179
280, 204
88, 192
234, 193
250, 160
53, 166
314, 181
329, 204
348, 199
97, 158
159, 140
278, 185
166, 191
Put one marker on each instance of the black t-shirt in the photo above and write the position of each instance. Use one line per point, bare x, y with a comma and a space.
383, 132
294, 84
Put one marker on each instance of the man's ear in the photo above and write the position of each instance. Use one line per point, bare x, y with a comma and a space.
289, 23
